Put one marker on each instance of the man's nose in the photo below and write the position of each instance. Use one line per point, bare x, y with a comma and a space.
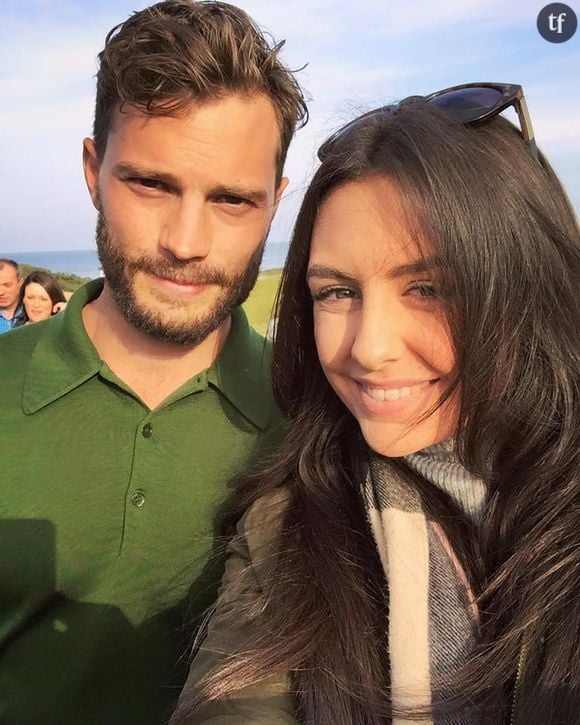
187, 233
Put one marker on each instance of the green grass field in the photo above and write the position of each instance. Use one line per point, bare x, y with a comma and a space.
259, 304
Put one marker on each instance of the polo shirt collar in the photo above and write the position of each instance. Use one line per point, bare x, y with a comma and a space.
242, 371
64, 358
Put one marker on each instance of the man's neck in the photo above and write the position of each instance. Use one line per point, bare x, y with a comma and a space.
9, 312
153, 369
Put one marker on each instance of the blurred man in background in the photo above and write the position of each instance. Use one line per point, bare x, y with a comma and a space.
10, 282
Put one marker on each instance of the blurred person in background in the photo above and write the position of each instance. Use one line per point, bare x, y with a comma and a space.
41, 296
10, 308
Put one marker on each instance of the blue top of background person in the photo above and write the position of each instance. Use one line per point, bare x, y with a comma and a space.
10, 283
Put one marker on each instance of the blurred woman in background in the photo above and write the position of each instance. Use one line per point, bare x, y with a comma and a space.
41, 296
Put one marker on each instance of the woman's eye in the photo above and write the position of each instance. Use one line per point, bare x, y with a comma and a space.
424, 290
334, 293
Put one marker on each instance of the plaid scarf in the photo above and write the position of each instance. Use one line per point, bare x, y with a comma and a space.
432, 617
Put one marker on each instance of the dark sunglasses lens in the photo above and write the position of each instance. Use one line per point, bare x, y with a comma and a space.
468, 104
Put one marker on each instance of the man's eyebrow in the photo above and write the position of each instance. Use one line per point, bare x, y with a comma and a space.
415, 267
254, 194
143, 172
257, 196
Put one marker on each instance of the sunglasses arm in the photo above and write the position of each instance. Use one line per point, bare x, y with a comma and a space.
526, 125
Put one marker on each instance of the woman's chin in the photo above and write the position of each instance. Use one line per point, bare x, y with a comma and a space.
398, 443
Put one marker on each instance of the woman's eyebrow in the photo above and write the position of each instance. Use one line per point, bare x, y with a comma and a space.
415, 267
318, 270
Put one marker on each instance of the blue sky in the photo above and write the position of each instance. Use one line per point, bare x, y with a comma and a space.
358, 54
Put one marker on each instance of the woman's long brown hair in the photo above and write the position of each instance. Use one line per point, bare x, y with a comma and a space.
504, 232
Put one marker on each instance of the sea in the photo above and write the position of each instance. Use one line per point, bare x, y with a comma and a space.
85, 262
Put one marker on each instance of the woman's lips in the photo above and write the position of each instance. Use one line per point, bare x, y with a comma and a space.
389, 400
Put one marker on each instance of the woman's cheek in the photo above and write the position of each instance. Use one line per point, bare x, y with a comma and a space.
332, 337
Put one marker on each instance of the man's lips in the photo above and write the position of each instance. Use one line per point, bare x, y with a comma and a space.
188, 287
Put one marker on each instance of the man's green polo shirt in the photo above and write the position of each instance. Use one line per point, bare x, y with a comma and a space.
106, 512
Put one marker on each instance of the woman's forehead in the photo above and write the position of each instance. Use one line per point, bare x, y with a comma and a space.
364, 224
35, 288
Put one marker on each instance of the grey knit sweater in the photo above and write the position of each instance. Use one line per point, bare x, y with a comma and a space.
440, 465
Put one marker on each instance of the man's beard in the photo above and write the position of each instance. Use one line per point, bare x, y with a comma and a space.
120, 270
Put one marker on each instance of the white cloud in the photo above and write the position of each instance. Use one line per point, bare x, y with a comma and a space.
319, 21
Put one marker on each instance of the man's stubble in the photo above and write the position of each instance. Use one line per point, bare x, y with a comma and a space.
120, 270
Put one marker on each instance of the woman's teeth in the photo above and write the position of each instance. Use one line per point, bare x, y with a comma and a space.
393, 393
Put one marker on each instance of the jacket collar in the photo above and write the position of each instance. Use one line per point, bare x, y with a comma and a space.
64, 358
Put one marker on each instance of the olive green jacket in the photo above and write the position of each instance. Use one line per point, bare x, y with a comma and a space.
230, 630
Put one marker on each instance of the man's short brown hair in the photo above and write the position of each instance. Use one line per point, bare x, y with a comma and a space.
163, 58
11, 263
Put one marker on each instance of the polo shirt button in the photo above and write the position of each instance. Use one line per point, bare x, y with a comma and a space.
147, 430
138, 499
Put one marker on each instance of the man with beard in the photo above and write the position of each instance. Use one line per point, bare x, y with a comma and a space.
124, 418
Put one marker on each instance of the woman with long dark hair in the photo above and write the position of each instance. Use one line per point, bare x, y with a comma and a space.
413, 551
41, 297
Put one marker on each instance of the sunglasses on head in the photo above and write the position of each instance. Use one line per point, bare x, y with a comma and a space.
469, 103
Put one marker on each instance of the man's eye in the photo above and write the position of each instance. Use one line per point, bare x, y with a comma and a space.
233, 200
149, 183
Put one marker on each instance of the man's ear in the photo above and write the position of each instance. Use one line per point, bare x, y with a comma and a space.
91, 168
280, 190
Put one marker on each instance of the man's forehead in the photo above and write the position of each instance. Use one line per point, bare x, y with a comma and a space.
182, 109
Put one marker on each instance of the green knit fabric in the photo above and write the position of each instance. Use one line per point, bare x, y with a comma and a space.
106, 519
